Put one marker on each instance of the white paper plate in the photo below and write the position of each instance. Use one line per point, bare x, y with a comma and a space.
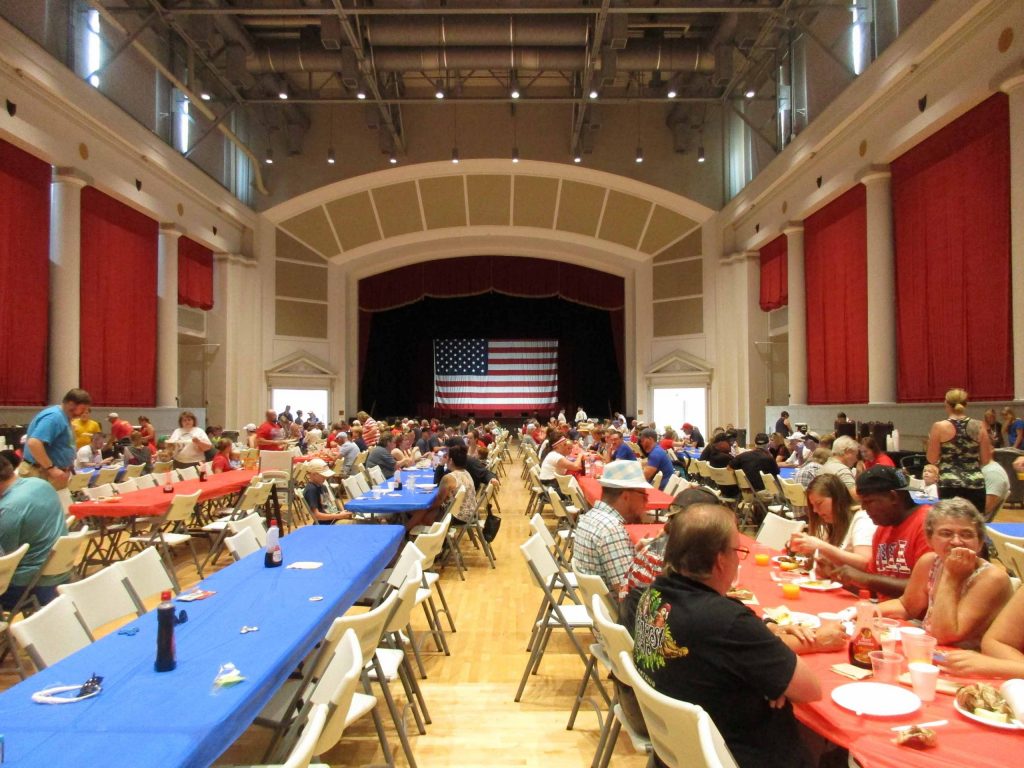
1013, 725
819, 587
876, 699
426, 486
795, 618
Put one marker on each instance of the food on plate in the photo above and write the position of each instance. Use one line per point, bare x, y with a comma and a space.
740, 593
817, 583
792, 562
916, 737
984, 701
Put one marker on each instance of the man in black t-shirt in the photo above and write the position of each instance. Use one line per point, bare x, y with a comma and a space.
694, 644
756, 461
717, 451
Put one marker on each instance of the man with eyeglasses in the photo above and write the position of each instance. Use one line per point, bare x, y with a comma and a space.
899, 540
602, 546
695, 644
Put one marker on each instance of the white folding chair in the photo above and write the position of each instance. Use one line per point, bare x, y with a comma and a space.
376, 475
127, 486
8, 565
1001, 540
134, 471
146, 577
51, 633
776, 530
592, 587
188, 473
169, 530
98, 492
252, 522
101, 599
145, 481
242, 543
63, 559
683, 734
106, 475
79, 482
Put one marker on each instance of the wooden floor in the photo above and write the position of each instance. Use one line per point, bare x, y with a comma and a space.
470, 694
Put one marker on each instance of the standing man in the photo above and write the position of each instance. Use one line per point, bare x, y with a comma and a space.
50, 443
695, 644
580, 416
657, 458
270, 435
783, 425
371, 432
899, 540
120, 430
30, 513
603, 547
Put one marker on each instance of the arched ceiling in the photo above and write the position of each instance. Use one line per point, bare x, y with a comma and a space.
350, 218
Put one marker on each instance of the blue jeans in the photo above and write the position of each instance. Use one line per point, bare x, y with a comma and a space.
14, 592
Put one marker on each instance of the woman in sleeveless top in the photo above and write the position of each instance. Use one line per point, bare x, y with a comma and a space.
954, 590
960, 446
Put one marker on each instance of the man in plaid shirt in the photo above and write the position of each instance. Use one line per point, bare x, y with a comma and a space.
602, 545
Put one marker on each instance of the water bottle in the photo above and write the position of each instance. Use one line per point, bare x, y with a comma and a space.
272, 557
165, 660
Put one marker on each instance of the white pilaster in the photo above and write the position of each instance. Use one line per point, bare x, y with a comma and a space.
638, 338
65, 280
167, 317
1014, 88
881, 285
796, 313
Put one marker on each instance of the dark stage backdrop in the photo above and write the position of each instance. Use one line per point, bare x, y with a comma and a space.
397, 379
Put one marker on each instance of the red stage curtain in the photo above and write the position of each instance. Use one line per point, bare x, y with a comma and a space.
951, 210
24, 276
118, 317
775, 274
195, 274
835, 270
511, 275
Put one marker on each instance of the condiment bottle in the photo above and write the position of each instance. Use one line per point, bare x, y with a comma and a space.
273, 558
398, 479
165, 660
864, 641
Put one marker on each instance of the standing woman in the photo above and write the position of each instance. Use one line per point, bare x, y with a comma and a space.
189, 442
960, 445
148, 432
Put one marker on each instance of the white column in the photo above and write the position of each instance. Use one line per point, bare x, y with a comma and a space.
796, 313
881, 283
1014, 87
234, 328
65, 280
167, 317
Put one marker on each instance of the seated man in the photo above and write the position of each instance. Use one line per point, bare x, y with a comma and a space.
811, 468
695, 644
755, 461
899, 539
603, 547
615, 448
347, 450
997, 488
717, 453
318, 498
90, 456
845, 454
428, 442
30, 513
657, 458
380, 455
692, 436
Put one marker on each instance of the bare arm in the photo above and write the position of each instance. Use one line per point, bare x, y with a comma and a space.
889, 586
985, 445
934, 443
913, 603
39, 454
804, 685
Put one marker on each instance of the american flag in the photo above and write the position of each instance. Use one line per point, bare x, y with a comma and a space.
489, 373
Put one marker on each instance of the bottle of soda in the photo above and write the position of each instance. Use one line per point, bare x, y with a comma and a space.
202, 473
165, 660
168, 484
272, 558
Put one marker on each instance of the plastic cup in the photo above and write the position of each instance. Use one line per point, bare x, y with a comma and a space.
923, 678
885, 667
762, 558
917, 647
791, 591
830, 621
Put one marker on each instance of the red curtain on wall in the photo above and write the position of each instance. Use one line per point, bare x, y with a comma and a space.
775, 274
118, 316
24, 276
835, 271
195, 274
951, 210
510, 275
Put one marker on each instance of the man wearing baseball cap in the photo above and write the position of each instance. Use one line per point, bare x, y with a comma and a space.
603, 547
318, 498
899, 539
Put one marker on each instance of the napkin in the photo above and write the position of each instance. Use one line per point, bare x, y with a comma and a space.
304, 565
1013, 692
850, 671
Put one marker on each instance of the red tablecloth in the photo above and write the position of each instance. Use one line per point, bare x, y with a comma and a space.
656, 499
151, 502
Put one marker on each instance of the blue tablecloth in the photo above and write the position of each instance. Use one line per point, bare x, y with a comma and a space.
789, 473
94, 472
1009, 529
176, 718
396, 502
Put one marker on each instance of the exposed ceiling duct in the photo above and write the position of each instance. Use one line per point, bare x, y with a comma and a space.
444, 31
640, 56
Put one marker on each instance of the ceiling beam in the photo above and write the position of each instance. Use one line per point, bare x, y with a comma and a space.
587, 78
269, 102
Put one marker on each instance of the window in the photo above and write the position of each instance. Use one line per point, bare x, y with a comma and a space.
860, 37
182, 121
92, 46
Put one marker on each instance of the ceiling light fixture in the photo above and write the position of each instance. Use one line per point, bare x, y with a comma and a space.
361, 92
439, 90
393, 158
639, 155
514, 87
515, 154
700, 154
577, 157
750, 93
268, 158
455, 155
330, 156
283, 93
672, 92
593, 93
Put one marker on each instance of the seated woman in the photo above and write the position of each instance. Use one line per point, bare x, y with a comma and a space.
454, 478
401, 453
840, 535
557, 462
222, 459
954, 590
1002, 648
871, 454
778, 449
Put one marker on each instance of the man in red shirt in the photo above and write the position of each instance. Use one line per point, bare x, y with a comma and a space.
270, 435
899, 540
119, 428
371, 432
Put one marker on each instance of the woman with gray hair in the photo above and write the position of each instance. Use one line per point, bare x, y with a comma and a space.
954, 590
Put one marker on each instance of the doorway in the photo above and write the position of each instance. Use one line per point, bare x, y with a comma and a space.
306, 400
674, 406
